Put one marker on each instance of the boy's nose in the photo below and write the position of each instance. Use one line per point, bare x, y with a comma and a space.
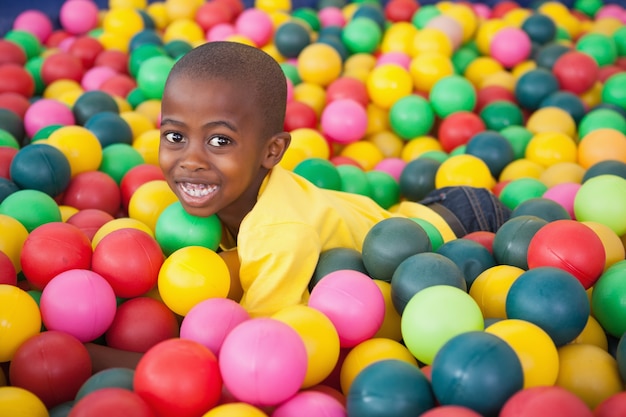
194, 159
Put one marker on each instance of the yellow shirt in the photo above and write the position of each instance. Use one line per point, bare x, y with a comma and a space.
293, 221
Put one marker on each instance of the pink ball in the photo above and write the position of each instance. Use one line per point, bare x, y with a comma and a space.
510, 46
35, 22
448, 25
220, 32
482, 10
344, 121
564, 194
352, 302
311, 403
66, 44
263, 362
79, 302
394, 57
256, 25
96, 76
392, 166
331, 16
78, 17
615, 405
210, 321
611, 10
45, 112
551, 401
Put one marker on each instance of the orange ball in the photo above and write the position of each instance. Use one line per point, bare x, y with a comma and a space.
601, 145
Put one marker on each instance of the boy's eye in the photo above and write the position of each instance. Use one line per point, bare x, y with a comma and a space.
174, 137
218, 141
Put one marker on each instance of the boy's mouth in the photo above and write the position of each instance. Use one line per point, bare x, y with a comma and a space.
196, 190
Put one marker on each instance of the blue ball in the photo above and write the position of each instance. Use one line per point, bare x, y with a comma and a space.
552, 299
539, 28
493, 149
471, 257
534, 86
109, 128
477, 370
389, 388
41, 167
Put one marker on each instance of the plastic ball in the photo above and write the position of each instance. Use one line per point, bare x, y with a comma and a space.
601, 118
320, 172
314, 402
567, 101
336, 259
542, 207
540, 28
601, 145
235, 409
510, 245
160, 371
493, 149
361, 35
32, 208
135, 177
53, 365
576, 71
353, 291
500, 114
472, 363
427, 325
472, 258
274, 361
93, 190
607, 298
149, 201
8, 274
299, 115
347, 88
46, 112
110, 128
79, 17
110, 400
81, 148
387, 83
599, 46
614, 250
344, 121
418, 178
411, 116
491, 287
543, 400
615, 404
16, 401
452, 94
79, 302
184, 279
501, 46
291, 38
534, 86
611, 92
41, 167
21, 320
11, 53
598, 198
458, 128
404, 390
464, 170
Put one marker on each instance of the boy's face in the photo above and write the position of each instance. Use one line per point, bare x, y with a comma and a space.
212, 152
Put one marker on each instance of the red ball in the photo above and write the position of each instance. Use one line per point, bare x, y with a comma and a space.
213, 13
53, 365
607, 71
552, 401
93, 189
344, 160
8, 275
119, 85
112, 58
6, 157
450, 411
129, 259
135, 178
235, 6
11, 53
502, 8
299, 115
571, 246
483, 237
179, 377
53, 248
15, 79
492, 93
615, 405
87, 50
401, 10
56, 38
347, 87
62, 65
497, 189
576, 71
15, 102
458, 128
90, 220
107, 402
141, 323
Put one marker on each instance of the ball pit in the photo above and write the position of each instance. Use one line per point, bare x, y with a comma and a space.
524, 99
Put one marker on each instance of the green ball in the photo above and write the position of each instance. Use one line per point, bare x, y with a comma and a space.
176, 229
510, 244
435, 315
118, 159
320, 172
7, 139
354, 180
361, 35
177, 48
436, 240
423, 15
33, 66
600, 119
500, 114
411, 116
141, 54
417, 178
613, 91
608, 299
600, 47
12, 123
462, 57
619, 37
45, 132
385, 190
152, 75
291, 72
309, 16
91, 103
136, 97
588, 7
520, 190
459, 150
518, 137
452, 94
27, 41
32, 208
108, 378
336, 259
602, 199
439, 156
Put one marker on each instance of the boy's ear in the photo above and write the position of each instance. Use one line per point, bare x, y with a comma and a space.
276, 148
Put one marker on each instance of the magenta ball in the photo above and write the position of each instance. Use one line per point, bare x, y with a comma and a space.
96, 76
394, 57
353, 303
263, 362
392, 166
45, 112
331, 16
344, 121
35, 22
79, 302
564, 194
310, 403
210, 321
78, 17
256, 25
510, 46
220, 32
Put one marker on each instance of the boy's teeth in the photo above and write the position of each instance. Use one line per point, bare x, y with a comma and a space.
197, 190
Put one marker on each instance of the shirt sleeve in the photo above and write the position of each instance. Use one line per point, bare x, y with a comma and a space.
277, 263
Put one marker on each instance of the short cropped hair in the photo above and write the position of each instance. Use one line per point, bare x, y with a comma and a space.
245, 65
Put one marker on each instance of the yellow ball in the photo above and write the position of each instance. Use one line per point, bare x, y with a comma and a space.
482, 68
552, 119
589, 372
387, 142
149, 200
292, 157
398, 38
184, 30
67, 212
19, 319
235, 410
136, 4
70, 97
12, 239
181, 9
391, 327
593, 334
485, 34
272, 51
601, 145
190, 275
491, 287
431, 40
81, 148
365, 153
501, 79
464, 170
466, 18
19, 402
320, 338
606, 26
360, 61
116, 224
369, 352
114, 41
521, 168
319, 63
377, 119
278, 18
138, 123
428, 68
56, 88
151, 109
562, 172
613, 249
549, 148
123, 21
516, 17
418, 146
522, 68
158, 12
312, 94
270, 6
147, 144
534, 348
311, 141
593, 96
388, 83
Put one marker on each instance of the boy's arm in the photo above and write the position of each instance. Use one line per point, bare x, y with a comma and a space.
104, 357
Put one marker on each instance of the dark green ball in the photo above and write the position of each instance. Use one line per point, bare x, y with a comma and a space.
92, 102
336, 259
417, 178
510, 245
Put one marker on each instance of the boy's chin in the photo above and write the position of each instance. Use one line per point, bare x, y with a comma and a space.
197, 211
